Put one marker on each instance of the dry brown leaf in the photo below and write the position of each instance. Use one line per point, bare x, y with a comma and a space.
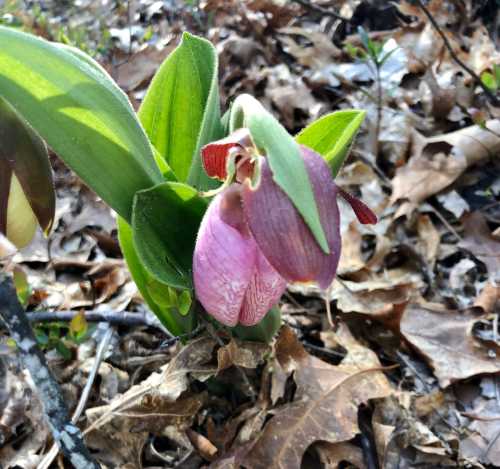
488, 298
429, 238
444, 338
480, 242
351, 259
375, 297
322, 51
245, 354
202, 444
21, 415
383, 437
326, 403
332, 454
483, 444
152, 405
140, 67
438, 161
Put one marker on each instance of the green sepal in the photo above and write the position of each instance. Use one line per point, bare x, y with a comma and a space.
264, 331
283, 155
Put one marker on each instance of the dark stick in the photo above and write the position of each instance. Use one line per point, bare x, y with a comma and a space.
494, 100
321, 10
66, 434
115, 318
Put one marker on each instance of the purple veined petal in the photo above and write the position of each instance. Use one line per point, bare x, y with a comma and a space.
263, 292
280, 231
223, 263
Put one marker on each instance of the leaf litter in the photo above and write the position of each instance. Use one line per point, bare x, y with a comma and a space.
410, 378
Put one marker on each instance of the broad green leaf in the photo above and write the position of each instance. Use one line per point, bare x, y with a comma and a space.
283, 154
180, 111
147, 284
23, 154
81, 113
332, 135
489, 80
165, 223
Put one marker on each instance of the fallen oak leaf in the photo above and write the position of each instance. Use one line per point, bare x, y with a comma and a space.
438, 161
241, 353
444, 338
325, 410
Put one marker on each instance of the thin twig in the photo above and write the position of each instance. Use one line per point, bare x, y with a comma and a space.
115, 318
66, 434
321, 10
494, 100
101, 350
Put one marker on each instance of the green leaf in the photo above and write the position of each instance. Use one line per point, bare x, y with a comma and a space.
264, 331
165, 223
489, 80
180, 112
21, 285
496, 71
78, 326
332, 135
148, 285
81, 113
283, 154
24, 154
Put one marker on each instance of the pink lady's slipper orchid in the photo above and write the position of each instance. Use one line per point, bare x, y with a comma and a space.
232, 278
252, 240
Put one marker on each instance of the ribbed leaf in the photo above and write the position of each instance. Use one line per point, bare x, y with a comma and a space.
332, 135
80, 112
180, 112
165, 223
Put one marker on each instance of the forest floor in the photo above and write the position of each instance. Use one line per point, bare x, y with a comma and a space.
410, 376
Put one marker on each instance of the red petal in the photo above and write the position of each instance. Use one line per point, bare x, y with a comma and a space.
215, 154
362, 211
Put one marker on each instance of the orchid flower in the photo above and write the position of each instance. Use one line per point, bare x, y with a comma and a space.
253, 241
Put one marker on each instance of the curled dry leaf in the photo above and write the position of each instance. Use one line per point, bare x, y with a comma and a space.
151, 406
488, 298
438, 161
375, 297
245, 354
325, 406
445, 338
